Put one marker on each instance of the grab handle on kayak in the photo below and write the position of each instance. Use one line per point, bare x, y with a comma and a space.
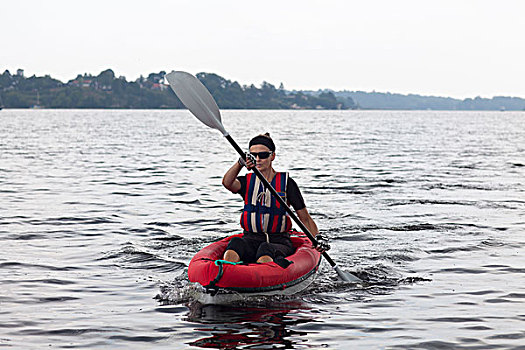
220, 262
211, 288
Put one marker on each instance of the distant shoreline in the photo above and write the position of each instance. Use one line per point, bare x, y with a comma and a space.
106, 91
263, 109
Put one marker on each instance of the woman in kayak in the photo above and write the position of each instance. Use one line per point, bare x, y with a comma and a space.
265, 222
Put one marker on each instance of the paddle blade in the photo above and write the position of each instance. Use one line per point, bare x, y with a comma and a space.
196, 98
345, 276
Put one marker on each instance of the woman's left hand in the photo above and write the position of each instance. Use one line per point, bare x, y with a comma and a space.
322, 243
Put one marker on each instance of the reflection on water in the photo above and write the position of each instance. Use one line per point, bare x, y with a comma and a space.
248, 327
101, 211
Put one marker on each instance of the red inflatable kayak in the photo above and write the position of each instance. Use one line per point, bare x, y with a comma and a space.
244, 280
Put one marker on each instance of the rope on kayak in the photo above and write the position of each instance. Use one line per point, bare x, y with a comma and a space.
211, 288
220, 262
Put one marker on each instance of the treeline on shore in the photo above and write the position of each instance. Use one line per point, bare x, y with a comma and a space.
109, 91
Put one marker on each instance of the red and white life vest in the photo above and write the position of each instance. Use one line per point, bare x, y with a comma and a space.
262, 212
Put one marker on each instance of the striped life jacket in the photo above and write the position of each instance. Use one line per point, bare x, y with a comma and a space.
262, 212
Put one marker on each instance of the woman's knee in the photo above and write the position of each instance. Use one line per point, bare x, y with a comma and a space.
231, 255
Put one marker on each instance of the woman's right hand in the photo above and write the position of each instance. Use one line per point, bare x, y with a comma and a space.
249, 161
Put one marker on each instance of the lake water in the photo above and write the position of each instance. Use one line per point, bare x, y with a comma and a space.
101, 212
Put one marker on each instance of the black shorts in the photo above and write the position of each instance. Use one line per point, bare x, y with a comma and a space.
252, 246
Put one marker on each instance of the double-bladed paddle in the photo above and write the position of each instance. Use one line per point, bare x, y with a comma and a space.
201, 104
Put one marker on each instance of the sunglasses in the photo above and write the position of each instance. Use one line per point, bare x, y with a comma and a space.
261, 155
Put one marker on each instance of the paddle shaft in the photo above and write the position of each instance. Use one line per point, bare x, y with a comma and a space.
280, 200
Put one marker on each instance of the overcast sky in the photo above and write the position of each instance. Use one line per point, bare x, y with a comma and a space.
445, 48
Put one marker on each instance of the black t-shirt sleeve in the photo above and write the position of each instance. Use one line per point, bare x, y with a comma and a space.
242, 180
293, 194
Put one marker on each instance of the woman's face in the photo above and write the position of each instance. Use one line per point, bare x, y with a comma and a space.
262, 163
